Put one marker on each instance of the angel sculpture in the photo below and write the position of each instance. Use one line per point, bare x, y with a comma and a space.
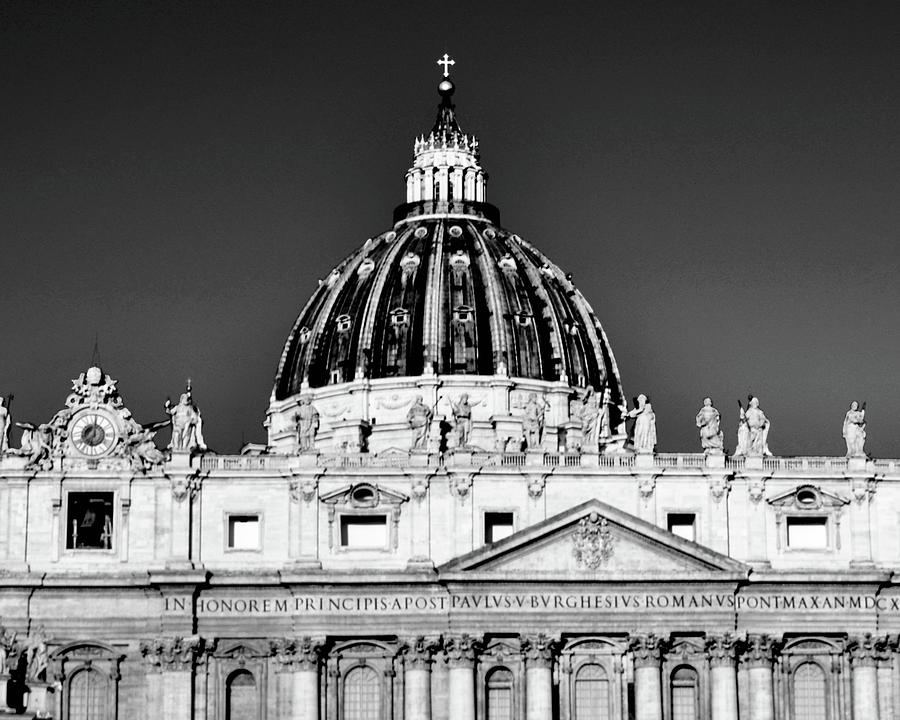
140, 446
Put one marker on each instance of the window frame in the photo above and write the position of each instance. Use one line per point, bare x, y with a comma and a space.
228, 515
684, 513
116, 520
342, 515
496, 511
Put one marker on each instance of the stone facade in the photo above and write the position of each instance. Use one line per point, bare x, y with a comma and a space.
463, 532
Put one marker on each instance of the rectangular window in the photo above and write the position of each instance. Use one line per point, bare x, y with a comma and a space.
364, 532
683, 525
243, 532
497, 525
807, 533
89, 521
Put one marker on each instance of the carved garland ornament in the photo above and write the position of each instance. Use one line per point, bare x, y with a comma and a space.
593, 541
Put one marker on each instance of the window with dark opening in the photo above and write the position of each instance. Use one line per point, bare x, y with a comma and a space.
89, 521
683, 525
497, 525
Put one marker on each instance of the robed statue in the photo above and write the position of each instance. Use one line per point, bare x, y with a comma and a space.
187, 423
644, 425
758, 425
854, 430
711, 437
533, 421
419, 419
306, 422
462, 420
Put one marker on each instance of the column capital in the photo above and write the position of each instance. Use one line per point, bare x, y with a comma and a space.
865, 650
293, 654
720, 649
461, 650
538, 650
646, 650
171, 653
757, 651
418, 652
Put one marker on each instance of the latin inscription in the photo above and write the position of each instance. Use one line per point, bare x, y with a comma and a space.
338, 604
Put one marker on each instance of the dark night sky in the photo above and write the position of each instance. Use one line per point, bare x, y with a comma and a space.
722, 179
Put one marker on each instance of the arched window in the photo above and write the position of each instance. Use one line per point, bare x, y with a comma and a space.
809, 692
591, 693
241, 701
500, 694
362, 694
685, 694
88, 696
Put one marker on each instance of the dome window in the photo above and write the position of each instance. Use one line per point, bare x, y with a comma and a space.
365, 268
547, 270
455, 230
304, 334
399, 317
421, 232
391, 236
459, 260
343, 323
523, 318
490, 234
462, 314
410, 262
507, 263
333, 277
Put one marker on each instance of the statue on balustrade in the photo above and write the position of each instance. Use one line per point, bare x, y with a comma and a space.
533, 421
419, 420
306, 422
743, 433
462, 420
590, 420
644, 425
711, 437
187, 423
758, 425
854, 430
5, 422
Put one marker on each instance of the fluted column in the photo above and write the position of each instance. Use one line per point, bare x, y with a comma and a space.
170, 664
722, 677
418, 653
646, 650
864, 663
298, 660
757, 658
538, 653
461, 651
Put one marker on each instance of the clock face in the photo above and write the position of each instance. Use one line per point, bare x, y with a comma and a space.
93, 434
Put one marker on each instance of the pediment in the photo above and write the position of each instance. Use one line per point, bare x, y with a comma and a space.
594, 540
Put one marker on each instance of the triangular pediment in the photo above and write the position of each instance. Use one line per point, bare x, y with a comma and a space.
596, 541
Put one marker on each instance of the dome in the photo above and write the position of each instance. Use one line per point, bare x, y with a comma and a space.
449, 293
446, 291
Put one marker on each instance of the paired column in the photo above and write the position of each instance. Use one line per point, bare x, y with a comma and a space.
646, 651
170, 666
461, 651
418, 654
298, 662
722, 677
757, 658
864, 668
538, 653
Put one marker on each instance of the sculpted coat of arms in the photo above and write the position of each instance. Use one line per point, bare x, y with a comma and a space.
593, 541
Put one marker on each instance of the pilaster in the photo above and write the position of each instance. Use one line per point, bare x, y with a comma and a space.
646, 652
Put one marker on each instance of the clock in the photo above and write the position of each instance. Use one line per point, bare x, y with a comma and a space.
93, 433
